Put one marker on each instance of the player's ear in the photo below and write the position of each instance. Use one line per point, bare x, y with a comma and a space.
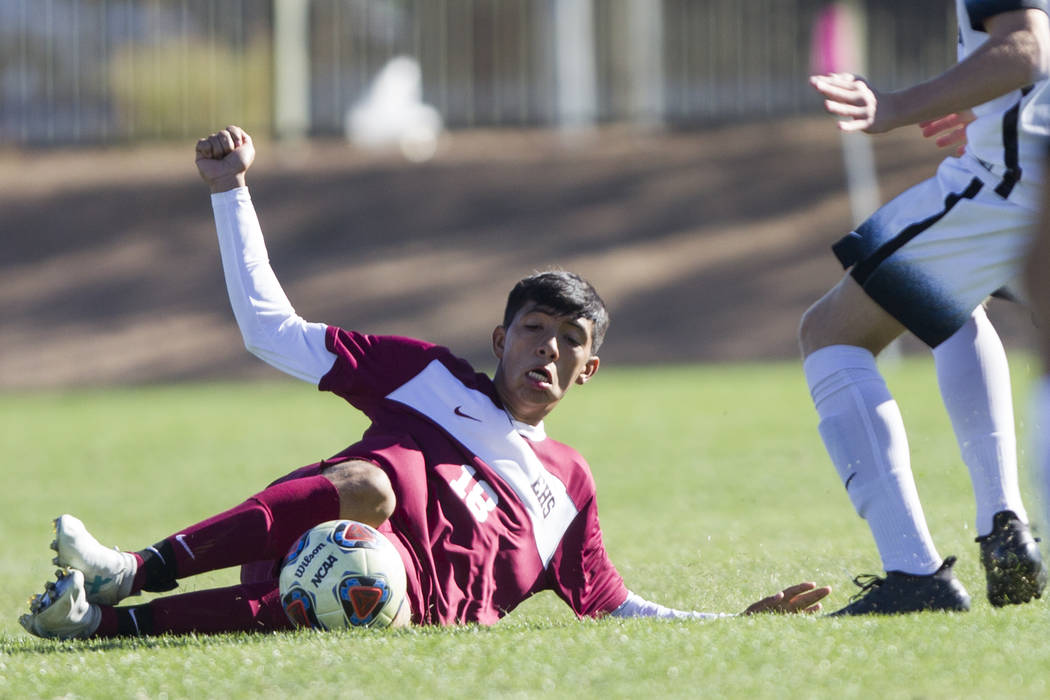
588, 370
499, 339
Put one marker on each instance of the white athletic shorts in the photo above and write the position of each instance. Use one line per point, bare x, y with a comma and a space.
934, 253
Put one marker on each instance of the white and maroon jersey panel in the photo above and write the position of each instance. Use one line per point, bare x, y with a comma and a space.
486, 516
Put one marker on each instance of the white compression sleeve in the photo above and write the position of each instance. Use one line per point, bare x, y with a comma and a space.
636, 606
269, 325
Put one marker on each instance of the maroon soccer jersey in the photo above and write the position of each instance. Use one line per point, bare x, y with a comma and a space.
485, 516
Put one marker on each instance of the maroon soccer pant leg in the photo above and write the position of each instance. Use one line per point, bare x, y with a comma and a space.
262, 527
242, 608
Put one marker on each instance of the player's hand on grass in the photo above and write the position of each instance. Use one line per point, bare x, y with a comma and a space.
857, 104
800, 598
950, 130
224, 157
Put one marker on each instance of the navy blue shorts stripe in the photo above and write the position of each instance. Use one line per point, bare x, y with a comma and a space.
863, 269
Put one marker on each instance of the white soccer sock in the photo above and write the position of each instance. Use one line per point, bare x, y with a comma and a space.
864, 434
975, 385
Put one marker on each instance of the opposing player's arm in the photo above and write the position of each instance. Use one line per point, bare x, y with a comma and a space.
269, 325
1016, 54
800, 598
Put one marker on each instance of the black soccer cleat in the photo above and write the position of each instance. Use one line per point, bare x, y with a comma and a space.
1012, 562
899, 593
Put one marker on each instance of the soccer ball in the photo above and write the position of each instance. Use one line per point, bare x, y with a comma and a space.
340, 574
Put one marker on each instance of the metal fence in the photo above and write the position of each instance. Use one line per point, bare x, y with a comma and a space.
90, 71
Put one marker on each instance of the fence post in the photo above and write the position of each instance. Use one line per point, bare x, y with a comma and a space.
645, 34
574, 67
291, 70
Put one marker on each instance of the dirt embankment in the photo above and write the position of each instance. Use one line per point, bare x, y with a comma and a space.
707, 245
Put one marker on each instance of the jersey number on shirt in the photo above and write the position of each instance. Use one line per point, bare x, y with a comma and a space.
478, 495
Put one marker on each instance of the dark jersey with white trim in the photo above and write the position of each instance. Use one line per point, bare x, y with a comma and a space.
489, 512
1007, 137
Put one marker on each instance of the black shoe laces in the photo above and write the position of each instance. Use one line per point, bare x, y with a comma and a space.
867, 583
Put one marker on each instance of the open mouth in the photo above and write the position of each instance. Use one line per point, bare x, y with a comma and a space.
540, 375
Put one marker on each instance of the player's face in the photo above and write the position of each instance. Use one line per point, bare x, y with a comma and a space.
540, 356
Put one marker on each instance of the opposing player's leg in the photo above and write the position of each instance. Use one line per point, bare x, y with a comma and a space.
974, 379
262, 527
861, 424
927, 259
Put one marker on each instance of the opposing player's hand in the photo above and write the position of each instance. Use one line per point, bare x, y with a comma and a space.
224, 157
857, 104
800, 598
950, 130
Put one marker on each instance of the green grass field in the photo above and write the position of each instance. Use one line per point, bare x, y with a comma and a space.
714, 491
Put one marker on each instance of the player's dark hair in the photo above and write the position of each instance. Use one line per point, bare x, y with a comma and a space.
564, 294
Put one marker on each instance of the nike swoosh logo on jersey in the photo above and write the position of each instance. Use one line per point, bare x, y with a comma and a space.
459, 412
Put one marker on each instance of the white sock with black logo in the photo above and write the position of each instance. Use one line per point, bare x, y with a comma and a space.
974, 378
863, 432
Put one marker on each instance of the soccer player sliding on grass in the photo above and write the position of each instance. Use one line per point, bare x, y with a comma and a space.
456, 468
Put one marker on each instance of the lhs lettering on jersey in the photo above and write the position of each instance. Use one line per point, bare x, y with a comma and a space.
544, 496
478, 495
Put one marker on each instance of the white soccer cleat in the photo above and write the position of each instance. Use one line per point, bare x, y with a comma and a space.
108, 573
62, 611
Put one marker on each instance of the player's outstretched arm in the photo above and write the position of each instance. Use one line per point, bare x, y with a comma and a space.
224, 157
1016, 54
269, 325
800, 598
